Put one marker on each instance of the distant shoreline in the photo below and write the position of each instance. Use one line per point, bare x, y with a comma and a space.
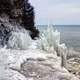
59, 25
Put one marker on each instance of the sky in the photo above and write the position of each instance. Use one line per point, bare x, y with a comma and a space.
57, 12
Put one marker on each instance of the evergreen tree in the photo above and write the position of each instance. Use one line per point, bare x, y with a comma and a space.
20, 9
28, 19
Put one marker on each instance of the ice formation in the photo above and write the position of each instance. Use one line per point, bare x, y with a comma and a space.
43, 57
49, 39
19, 40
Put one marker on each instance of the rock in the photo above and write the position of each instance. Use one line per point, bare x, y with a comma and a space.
4, 32
74, 66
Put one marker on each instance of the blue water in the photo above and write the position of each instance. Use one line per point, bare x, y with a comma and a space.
70, 35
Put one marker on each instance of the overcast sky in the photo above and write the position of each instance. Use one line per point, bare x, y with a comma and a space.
57, 11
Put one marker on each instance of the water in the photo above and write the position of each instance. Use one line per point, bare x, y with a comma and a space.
70, 35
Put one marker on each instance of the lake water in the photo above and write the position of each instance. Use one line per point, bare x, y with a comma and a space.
70, 35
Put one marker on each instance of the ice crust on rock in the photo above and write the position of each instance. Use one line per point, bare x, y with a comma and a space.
37, 63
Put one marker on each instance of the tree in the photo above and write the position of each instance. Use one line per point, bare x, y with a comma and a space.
21, 12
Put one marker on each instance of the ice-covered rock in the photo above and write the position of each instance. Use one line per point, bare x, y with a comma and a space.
31, 65
37, 62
